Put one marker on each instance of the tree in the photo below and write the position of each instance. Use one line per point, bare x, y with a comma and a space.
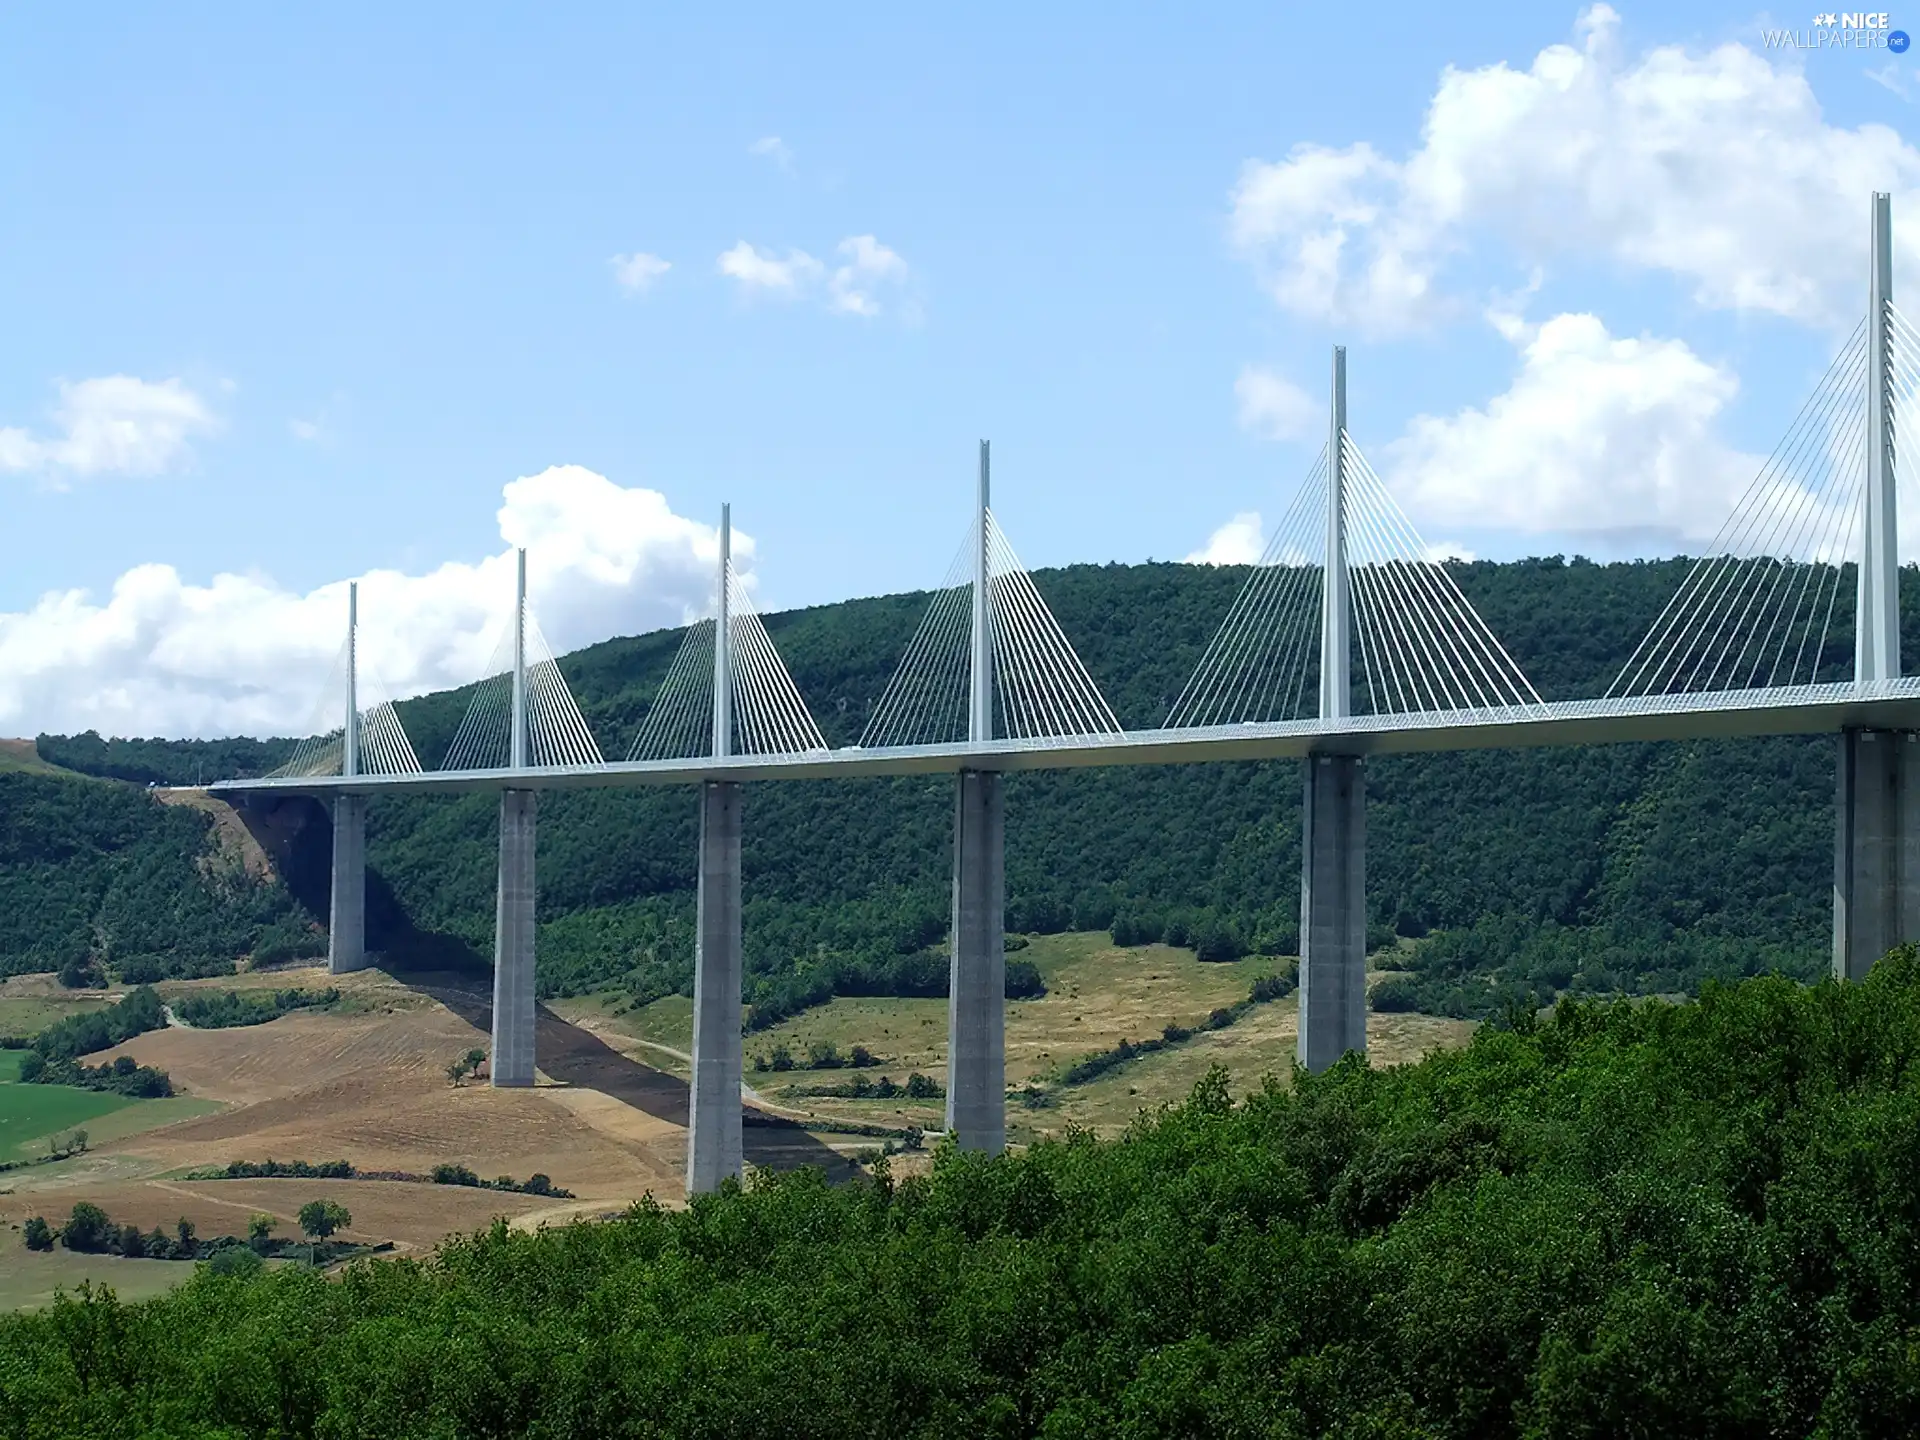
260, 1231
80, 1141
132, 1243
475, 1058
234, 1260
457, 1071
86, 1228
184, 1232
39, 1234
319, 1219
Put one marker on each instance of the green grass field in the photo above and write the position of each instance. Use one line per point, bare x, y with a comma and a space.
30, 1014
10, 1065
28, 1279
31, 1114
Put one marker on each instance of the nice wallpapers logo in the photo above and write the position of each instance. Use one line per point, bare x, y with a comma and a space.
1846, 30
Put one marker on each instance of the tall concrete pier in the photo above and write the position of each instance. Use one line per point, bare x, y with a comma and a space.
1876, 865
513, 916
714, 1150
1333, 912
347, 903
1333, 832
976, 1009
512, 1062
977, 978
347, 892
714, 1147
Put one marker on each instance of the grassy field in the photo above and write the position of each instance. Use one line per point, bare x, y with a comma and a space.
29, 1014
20, 755
28, 1279
10, 1065
1097, 994
31, 1114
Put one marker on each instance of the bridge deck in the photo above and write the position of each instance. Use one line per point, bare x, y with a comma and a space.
1801, 710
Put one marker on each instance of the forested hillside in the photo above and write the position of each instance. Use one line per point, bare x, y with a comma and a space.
97, 876
1640, 868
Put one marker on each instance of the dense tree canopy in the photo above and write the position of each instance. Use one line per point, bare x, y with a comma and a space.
1632, 1218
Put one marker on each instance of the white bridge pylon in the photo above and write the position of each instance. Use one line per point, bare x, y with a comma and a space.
347, 736
988, 660
1392, 605
522, 715
733, 699
1769, 605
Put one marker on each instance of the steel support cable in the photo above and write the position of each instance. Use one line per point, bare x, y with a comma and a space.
1658, 645
757, 712
1051, 697
1275, 629
1500, 680
1654, 643
1256, 648
1385, 674
571, 724
1846, 518
1384, 692
1426, 651
661, 724
1071, 669
942, 712
937, 680
1399, 621
758, 709
1031, 708
1197, 699
1797, 473
1740, 579
796, 719
1010, 690
904, 674
799, 734
1261, 625
1416, 631
1018, 665
1782, 609
1840, 382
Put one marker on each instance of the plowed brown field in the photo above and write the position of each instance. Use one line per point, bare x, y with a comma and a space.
367, 1083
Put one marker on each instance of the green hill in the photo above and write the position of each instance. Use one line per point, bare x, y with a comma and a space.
1512, 875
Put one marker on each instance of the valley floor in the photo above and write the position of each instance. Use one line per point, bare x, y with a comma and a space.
366, 1082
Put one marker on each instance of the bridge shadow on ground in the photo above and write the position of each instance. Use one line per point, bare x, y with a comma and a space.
577, 1057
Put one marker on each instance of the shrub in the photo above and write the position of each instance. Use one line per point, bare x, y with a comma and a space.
87, 1229
39, 1234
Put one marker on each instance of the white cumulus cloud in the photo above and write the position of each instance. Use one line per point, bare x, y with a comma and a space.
772, 147
113, 424
1238, 542
242, 654
1273, 406
1596, 435
1714, 166
636, 273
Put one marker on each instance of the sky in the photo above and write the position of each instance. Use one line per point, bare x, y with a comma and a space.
292, 299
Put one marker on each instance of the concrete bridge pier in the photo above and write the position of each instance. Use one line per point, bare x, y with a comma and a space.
1333, 912
714, 1147
347, 900
512, 1059
1876, 863
976, 1009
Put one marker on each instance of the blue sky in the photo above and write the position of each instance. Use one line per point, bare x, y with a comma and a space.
357, 274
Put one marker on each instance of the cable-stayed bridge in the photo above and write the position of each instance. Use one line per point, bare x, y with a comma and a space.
1350, 638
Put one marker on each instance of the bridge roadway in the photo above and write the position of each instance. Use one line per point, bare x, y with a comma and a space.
1795, 710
